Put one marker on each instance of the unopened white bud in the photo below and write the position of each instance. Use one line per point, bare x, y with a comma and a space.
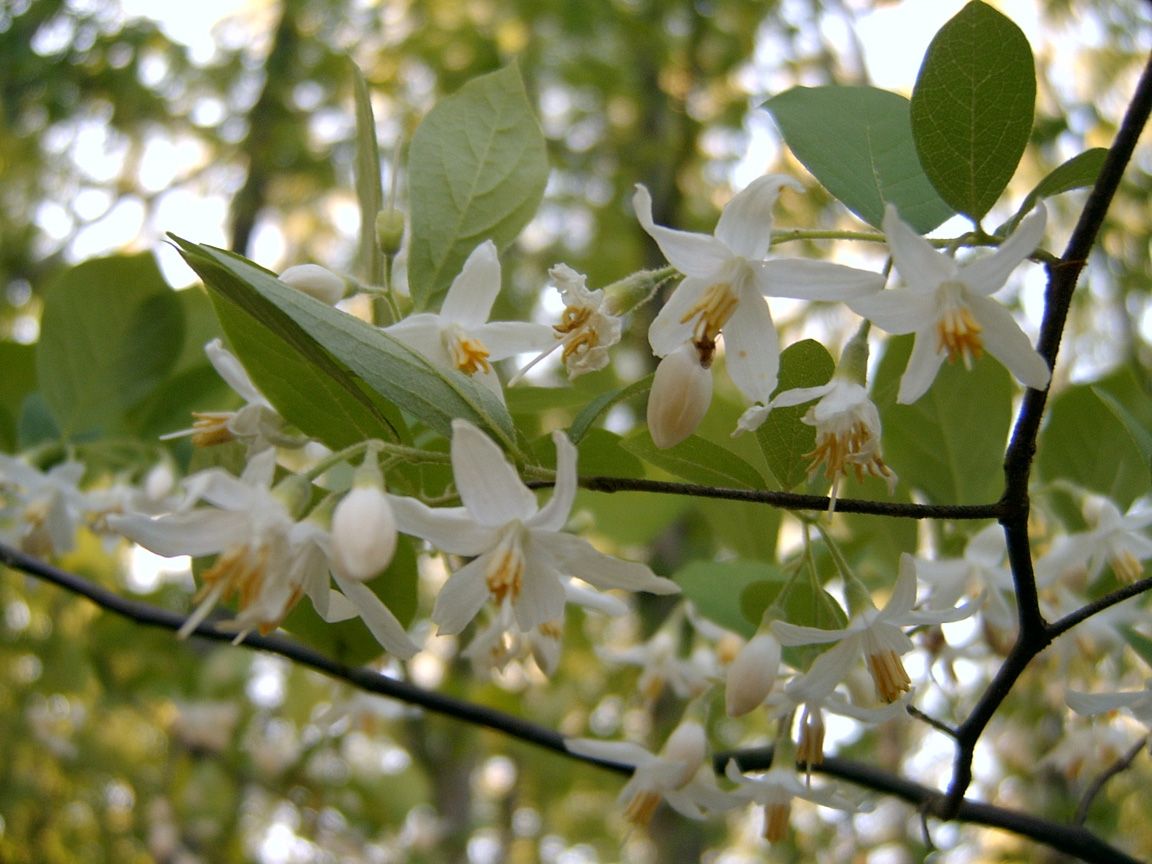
315, 281
686, 746
752, 675
680, 396
363, 533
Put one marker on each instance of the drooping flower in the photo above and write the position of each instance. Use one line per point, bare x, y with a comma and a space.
1137, 702
726, 280
948, 306
460, 336
41, 511
663, 665
586, 329
877, 634
680, 395
1114, 538
775, 790
520, 552
265, 558
980, 574
315, 281
752, 675
257, 424
847, 430
674, 775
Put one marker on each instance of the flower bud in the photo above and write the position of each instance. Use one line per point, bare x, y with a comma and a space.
752, 675
315, 281
687, 746
363, 533
390, 231
681, 393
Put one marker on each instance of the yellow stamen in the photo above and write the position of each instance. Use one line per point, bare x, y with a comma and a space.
573, 318
641, 808
505, 572
958, 333
469, 355
776, 819
211, 428
888, 674
810, 747
1126, 566
712, 312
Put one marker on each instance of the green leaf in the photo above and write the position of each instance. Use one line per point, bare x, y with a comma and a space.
696, 460
949, 443
717, 586
972, 107
784, 438
369, 185
110, 333
477, 169
19, 379
857, 141
1087, 444
389, 368
603, 404
1078, 172
1139, 431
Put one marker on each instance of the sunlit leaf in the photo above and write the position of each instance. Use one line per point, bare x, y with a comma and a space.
715, 587
477, 169
369, 186
857, 141
972, 107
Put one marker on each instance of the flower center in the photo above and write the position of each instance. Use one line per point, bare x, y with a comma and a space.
505, 572
810, 747
957, 332
210, 428
469, 354
239, 571
641, 807
1126, 566
711, 312
776, 818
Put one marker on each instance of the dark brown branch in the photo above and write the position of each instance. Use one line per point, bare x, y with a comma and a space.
1035, 635
1118, 767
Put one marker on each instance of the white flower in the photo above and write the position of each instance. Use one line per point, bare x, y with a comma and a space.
674, 776
586, 329
502, 641
1114, 538
40, 511
256, 424
847, 429
727, 279
1138, 702
519, 550
774, 791
363, 532
877, 634
265, 557
459, 336
981, 573
315, 281
949, 307
680, 395
661, 663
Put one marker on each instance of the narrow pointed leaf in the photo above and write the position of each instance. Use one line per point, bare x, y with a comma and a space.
369, 186
390, 369
1079, 172
696, 460
857, 141
477, 169
972, 107
603, 403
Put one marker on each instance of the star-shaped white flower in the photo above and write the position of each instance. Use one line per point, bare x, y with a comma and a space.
727, 278
1114, 538
678, 774
877, 634
774, 790
948, 305
41, 511
460, 336
520, 552
981, 573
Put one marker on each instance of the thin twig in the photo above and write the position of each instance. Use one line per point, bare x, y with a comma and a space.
1118, 767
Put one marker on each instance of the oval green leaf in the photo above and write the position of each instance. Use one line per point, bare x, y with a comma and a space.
857, 141
477, 168
972, 107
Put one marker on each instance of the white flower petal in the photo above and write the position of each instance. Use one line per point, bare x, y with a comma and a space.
699, 255
449, 529
542, 595
473, 291
235, 376
745, 224
462, 596
202, 532
553, 515
923, 365
899, 310
987, 275
814, 280
1005, 341
508, 338
673, 325
577, 557
488, 484
794, 634
800, 395
378, 618
620, 752
752, 350
919, 265
1099, 703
